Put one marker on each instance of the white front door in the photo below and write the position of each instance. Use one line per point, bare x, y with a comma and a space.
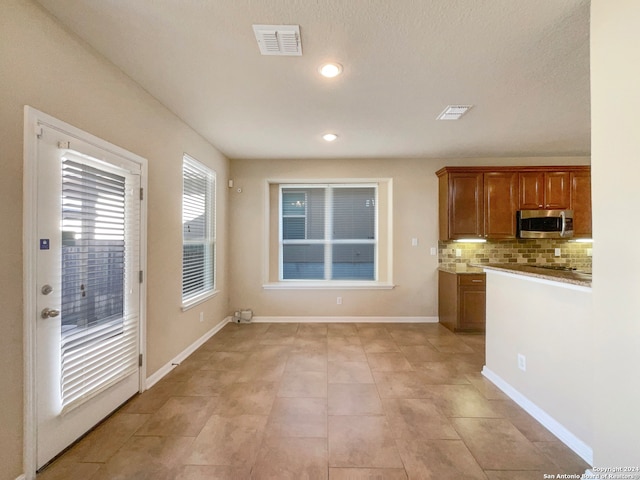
88, 293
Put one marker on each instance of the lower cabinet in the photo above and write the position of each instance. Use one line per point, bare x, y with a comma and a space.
462, 301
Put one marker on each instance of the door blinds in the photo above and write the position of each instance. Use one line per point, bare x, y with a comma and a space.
100, 250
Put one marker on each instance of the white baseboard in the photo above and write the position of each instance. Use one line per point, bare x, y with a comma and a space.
583, 450
22, 477
166, 368
354, 319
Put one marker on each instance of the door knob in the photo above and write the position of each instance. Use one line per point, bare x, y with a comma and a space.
49, 313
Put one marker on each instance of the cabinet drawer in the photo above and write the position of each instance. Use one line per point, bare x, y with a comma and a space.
472, 279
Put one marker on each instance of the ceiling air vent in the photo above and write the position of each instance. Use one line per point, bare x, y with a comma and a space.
453, 112
278, 39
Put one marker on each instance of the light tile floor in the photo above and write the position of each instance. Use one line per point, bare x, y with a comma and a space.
322, 401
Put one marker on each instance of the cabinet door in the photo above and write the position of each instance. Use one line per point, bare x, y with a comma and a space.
472, 308
581, 204
500, 204
557, 190
531, 187
465, 205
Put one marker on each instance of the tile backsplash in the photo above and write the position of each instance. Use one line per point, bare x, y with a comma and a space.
574, 254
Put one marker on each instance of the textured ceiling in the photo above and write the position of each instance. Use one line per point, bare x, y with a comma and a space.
523, 64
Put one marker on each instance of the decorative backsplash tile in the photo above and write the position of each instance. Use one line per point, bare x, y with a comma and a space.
573, 254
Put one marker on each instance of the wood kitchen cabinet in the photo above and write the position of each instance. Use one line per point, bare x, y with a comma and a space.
581, 204
481, 202
500, 204
478, 205
547, 190
462, 301
461, 205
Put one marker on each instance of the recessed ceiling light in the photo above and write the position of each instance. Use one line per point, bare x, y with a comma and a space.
330, 70
329, 137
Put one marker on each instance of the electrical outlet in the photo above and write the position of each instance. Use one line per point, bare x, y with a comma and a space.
414, 242
201, 316
458, 252
522, 362
558, 252
433, 251
339, 301
589, 252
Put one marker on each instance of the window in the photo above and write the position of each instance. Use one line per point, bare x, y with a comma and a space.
328, 232
198, 231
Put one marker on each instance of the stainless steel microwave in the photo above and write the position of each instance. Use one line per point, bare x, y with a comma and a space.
545, 223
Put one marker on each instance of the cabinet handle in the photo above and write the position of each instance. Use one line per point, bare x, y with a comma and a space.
477, 281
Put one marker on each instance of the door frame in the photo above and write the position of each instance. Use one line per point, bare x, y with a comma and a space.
33, 119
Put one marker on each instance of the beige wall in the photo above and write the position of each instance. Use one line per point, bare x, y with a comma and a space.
415, 211
42, 65
552, 326
615, 102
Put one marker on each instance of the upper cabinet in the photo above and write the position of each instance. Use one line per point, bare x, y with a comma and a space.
546, 190
481, 202
478, 204
581, 203
461, 205
500, 203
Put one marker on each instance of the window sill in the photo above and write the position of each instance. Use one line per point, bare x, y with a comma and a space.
311, 285
198, 300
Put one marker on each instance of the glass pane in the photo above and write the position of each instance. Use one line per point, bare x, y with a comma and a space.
293, 228
353, 262
196, 228
194, 263
303, 262
197, 186
294, 203
354, 213
93, 246
306, 204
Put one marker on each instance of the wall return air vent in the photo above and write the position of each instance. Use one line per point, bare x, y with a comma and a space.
453, 112
278, 39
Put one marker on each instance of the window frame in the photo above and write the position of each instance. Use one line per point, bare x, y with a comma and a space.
208, 241
328, 242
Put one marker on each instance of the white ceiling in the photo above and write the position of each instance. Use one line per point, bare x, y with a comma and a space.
523, 64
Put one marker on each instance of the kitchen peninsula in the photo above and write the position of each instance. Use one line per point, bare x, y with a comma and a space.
539, 334
551, 272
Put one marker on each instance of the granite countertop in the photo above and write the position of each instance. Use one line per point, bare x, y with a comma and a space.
462, 269
574, 277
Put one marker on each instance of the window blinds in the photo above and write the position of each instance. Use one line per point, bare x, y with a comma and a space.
198, 230
100, 261
328, 232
